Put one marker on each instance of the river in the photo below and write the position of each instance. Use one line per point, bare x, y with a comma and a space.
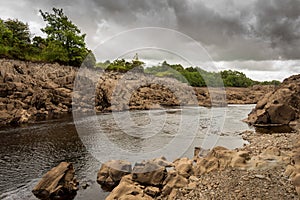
29, 151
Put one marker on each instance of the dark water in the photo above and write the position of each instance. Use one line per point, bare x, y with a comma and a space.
27, 152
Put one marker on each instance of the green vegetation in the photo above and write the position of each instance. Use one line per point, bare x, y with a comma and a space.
64, 42
198, 77
194, 76
120, 65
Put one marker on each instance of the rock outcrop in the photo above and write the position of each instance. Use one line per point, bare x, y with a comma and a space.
38, 91
280, 107
34, 91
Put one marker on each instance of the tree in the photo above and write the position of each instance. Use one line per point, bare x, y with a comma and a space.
66, 35
20, 31
6, 35
14, 39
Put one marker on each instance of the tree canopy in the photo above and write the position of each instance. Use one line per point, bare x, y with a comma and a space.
64, 43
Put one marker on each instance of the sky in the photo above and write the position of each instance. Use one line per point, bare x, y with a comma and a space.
258, 37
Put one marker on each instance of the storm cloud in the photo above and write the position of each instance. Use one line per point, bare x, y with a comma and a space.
230, 30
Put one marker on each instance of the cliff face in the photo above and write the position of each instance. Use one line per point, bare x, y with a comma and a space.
280, 107
34, 91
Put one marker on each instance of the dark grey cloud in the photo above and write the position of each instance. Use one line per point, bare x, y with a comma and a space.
204, 23
278, 23
228, 29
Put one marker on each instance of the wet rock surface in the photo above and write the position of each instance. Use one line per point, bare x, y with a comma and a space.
280, 107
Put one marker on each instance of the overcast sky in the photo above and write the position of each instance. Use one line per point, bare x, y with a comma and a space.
258, 37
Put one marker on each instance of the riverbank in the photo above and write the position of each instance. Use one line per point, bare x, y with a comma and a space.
267, 168
39, 91
268, 181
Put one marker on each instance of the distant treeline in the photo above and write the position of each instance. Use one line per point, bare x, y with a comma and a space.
195, 76
64, 42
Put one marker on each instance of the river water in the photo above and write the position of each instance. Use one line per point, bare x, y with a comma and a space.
29, 151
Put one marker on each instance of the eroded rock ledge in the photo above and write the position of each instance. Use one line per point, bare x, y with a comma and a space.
38, 91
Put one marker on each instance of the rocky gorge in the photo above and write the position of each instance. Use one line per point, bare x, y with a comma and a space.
267, 168
38, 91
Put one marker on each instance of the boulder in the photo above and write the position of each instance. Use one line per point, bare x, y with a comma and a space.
149, 173
220, 158
279, 107
59, 183
112, 172
184, 167
128, 190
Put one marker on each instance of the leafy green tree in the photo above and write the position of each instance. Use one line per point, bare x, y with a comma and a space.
20, 31
66, 35
235, 79
15, 39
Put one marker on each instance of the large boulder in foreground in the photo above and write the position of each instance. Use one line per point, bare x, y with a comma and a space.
280, 107
59, 183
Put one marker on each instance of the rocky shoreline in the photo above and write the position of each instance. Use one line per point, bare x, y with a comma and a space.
40, 91
267, 168
268, 179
